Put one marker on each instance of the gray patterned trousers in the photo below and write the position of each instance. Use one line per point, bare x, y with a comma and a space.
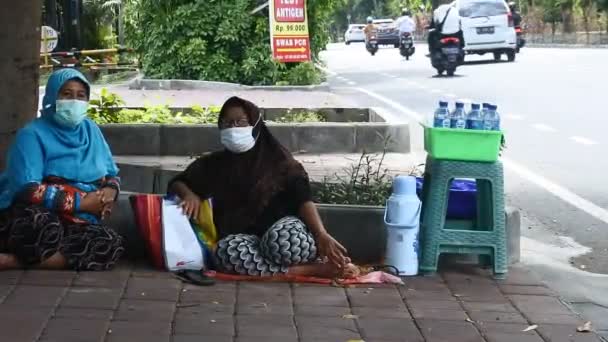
288, 242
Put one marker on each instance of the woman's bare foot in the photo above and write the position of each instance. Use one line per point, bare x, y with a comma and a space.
55, 262
8, 261
326, 270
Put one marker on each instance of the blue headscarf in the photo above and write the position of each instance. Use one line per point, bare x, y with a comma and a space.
43, 148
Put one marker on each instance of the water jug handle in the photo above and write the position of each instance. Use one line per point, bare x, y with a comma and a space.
412, 224
385, 214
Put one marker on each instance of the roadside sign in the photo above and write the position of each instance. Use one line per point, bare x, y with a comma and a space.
48, 39
289, 37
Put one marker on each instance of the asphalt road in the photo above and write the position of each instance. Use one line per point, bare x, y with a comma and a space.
553, 104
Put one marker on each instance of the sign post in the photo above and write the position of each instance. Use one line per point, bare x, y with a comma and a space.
289, 37
48, 41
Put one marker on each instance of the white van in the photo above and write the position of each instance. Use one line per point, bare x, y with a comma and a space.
487, 26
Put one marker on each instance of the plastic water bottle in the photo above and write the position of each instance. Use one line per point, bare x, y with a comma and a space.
441, 118
402, 220
491, 121
484, 109
474, 118
458, 118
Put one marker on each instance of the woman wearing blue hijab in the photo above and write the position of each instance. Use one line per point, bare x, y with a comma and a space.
59, 182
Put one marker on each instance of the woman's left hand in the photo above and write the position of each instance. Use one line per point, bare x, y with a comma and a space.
329, 247
108, 196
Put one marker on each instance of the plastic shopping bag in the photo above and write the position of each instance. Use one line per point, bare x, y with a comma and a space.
181, 247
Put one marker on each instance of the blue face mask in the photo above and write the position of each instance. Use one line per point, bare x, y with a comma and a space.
70, 113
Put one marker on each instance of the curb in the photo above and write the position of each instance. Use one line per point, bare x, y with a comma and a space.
154, 84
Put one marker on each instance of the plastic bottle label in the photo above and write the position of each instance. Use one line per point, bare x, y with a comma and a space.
475, 124
459, 123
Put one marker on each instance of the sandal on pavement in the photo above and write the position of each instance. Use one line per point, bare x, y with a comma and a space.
194, 277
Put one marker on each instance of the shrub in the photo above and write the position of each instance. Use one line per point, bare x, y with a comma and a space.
217, 40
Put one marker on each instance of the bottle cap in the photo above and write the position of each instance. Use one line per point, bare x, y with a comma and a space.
459, 104
475, 105
486, 105
443, 104
404, 185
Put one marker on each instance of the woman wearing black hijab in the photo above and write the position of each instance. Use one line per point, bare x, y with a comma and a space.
262, 204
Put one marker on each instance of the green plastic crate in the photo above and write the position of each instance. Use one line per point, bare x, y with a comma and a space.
462, 144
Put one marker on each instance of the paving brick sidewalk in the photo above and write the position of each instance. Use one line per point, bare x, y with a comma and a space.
135, 303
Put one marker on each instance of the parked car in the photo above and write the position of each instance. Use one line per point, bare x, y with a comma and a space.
487, 26
354, 33
388, 33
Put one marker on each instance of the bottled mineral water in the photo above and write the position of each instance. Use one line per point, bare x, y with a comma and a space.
484, 109
458, 118
441, 118
491, 121
474, 118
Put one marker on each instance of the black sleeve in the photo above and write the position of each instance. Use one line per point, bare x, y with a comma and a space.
298, 186
196, 177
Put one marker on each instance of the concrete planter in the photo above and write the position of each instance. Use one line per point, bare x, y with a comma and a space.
348, 130
359, 228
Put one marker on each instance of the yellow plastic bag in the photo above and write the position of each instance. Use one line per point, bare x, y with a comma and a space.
205, 227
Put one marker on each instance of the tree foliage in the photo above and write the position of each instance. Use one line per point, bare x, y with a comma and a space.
217, 40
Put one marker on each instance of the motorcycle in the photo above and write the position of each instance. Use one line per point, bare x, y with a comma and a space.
371, 43
448, 56
521, 41
406, 45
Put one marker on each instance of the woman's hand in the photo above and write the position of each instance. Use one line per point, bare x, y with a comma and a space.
328, 247
191, 205
92, 203
108, 195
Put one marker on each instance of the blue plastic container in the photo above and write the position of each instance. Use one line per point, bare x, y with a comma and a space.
462, 200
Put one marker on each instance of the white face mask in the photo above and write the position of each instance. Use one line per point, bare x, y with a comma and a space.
237, 139
70, 113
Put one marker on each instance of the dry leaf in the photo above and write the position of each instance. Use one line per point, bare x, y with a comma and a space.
457, 295
532, 327
469, 320
215, 302
585, 327
212, 321
350, 316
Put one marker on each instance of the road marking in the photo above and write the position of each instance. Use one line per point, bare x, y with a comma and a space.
544, 128
393, 104
558, 190
514, 117
525, 173
582, 140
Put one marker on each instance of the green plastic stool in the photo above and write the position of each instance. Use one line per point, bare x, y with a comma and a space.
486, 236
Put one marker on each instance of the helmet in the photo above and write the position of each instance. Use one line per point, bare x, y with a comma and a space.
370, 20
406, 12
512, 5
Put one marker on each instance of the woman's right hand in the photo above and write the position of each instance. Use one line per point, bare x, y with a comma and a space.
92, 203
191, 204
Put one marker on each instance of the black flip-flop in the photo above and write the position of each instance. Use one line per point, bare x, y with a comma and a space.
386, 268
194, 277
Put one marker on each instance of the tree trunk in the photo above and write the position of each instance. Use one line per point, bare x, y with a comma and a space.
567, 19
19, 63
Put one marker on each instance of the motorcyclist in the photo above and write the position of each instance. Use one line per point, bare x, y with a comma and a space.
515, 14
445, 23
405, 23
369, 28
